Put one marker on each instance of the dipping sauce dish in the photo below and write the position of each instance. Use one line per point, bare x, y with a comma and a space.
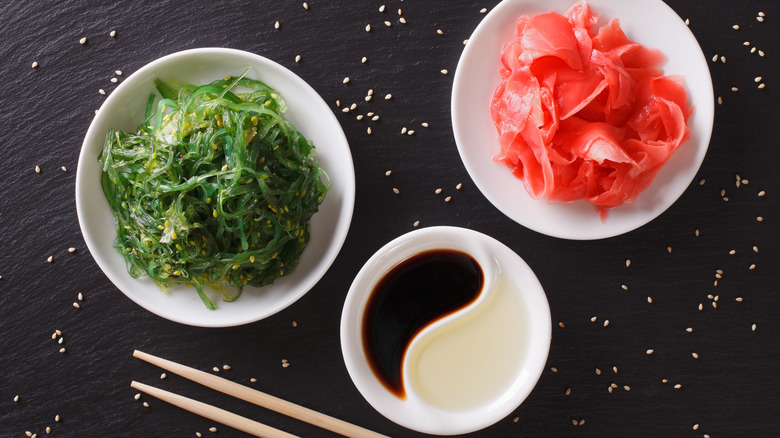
438, 363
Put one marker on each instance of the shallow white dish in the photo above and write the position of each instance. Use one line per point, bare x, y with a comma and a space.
649, 22
496, 261
124, 109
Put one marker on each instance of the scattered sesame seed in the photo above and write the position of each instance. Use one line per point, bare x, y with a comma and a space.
113, 80
720, 100
689, 330
163, 376
368, 28
444, 71
345, 81
448, 199
701, 306
198, 434
753, 50
77, 305
402, 20
722, 59
424, 124
146, 404
593, 319
751, 267
56, 418
112, 34
388, 173
60, 341
650, 300
28, 433
353, 106
396, 191
345, 110
403, 130
212, 429
225, 367
734, 89
627, 388
50, 259
48, 430
483, 10
305, 6
16, 399
400, 12
37, 169
687, 22
695, 427
760, 219
598, 372
410, 132
388, 96
628, 262
382, 8
753, 327
561, 324
363, 60
102, 91
761, 53
359, 117
516, 419
458, 186
388, 24
746, 43
215, 369
574, 421
375, 118
253, 380
761, 193
286, 364
137, 396
732, 252
695, 355
677, 386
62, 350
83, 40
276, 25
437, 191
761, 14
297, 58
118, 72
34, 64
735, 27
609, 389
613, 385
760, 19
416, 224
624, 287
761, 85
614, 370
554, 369
650, 351
715, 57
81, 296
696, 232
368, 130
465, 41
440, 32
606, 322
669, 249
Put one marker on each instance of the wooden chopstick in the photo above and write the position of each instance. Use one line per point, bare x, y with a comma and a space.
260, 398
213, 413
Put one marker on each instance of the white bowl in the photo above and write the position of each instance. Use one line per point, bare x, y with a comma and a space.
499, 264
649, 22
124, 109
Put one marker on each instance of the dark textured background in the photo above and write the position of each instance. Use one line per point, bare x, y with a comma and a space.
730, 391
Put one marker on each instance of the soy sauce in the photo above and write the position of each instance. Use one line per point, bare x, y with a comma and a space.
418, 291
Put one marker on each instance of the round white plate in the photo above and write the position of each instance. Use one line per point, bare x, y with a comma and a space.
496, 260
649, 22
124, 109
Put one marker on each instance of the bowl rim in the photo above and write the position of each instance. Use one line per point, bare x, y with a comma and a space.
345, 209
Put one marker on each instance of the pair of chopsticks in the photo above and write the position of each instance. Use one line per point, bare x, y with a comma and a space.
247, 394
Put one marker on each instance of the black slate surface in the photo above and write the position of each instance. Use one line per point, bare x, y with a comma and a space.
730, 391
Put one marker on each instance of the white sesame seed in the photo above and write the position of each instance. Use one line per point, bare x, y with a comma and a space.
367, 98
437, 191
50, 259
677, 386
253, 380
416, 224
761, 53
353, 106
465, 41
83, 40
669, 249
382, 8
62, 350
695, 355
305, 5
554, 369
593, 319
410, 132
285, 365
627, 388
212, 429
113, 80
715, 57
624, 287
396, 191
722, 59
59, 341
403, 130
738, 299
81, 296
650, 351
720, 100
137, 396
375, 118
215, 369
714, 305
760, 19
198, 434
424, 124
388, 24
102, 91
276, 25
598, 372
440, 32
757, 79
561, 324
687, 21
459, 186
695, 427
753, 327
689, 330
614, 370
112, 34
37, 169
16, 399
163, 376
761, 85
388, 96
363, 60
448, 199
483, 10
345, 81
28, 433
118, 72
760, 219
701, 306
56, 418
606, 322
734, 89
34, 64
370, 92
746, 43
297, 58
359, 117
400, 12
345, 110
402, 20
368, 130
77, 305
650, 300
761, 14
444, 71
735, 27
751, 267
368, 28
64, 169
388, 173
